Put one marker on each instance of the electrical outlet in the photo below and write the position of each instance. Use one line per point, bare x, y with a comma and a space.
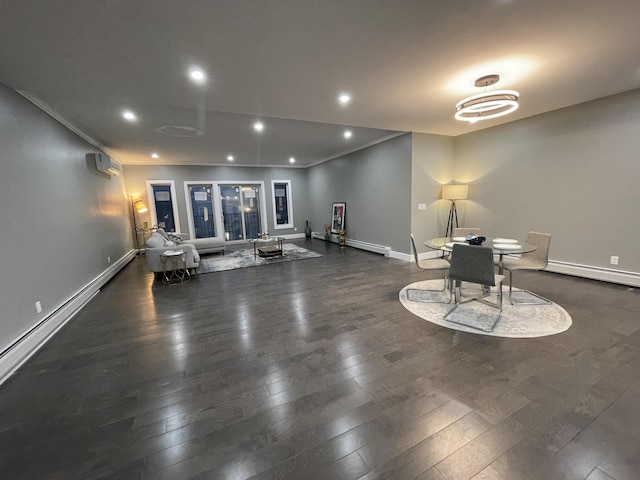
614, 260
295, 229
109, 259
422, 206
38, 307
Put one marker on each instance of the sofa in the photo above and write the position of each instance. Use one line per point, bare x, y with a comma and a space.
204, 245
157, 243
160, 241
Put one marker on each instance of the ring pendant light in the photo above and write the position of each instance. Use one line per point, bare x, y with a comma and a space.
484, 106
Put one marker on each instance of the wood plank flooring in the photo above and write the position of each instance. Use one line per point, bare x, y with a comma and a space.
313, 370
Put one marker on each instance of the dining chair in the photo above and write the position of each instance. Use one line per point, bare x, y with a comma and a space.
536, 260
474, 264
462, 232
433, 264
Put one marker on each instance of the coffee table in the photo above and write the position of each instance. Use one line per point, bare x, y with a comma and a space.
268, 247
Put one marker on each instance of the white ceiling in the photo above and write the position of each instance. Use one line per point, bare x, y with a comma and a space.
406, 64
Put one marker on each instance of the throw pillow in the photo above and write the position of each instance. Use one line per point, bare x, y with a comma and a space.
175, 238
155, 241
163, 233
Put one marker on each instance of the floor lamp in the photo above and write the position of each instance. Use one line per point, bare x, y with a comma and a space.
139, 207
453, 193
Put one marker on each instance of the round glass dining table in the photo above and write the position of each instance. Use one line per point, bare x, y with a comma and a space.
500, 246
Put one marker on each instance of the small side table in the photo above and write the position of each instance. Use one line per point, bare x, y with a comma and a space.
174, 267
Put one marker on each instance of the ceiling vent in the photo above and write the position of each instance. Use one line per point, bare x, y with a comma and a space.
179, 131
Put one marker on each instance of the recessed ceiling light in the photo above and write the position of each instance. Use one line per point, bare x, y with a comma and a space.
155, 155
197, 75
129, 115
344, 98
292, 160
258, 126
230, 158
347, 134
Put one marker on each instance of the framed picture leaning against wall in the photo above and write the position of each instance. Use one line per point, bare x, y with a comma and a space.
338, 213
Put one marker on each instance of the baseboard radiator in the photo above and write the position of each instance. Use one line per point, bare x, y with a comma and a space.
25, 346
370, 247
595, 273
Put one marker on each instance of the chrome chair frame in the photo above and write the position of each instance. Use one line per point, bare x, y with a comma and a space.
430, 265
536, 260
474, 264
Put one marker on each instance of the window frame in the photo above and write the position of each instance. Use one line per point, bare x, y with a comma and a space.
174, 201
274, 201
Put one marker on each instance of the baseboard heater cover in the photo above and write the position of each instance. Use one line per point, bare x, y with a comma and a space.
27, 344
370, 247
595, 273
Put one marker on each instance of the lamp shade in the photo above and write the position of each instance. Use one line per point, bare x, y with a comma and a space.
455, 192
140, 206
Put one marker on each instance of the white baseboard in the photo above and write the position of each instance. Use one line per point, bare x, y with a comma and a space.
24, 347
291, 236
318, 235
595, 273
370, 247
583, 271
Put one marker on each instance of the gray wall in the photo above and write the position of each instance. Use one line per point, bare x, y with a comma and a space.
573, 173
375, 183
59, 218
432, 167
137, 175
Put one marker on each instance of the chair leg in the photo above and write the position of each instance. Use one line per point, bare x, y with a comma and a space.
444, 287
545, 301
409, 290
510, 285
497, 305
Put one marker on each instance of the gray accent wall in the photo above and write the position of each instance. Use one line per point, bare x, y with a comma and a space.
432, 166
375, 183
137, 175
574, 173
59, 217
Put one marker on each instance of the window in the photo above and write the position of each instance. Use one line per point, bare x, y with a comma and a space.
202, 213
164, 211
282, 209
242, 209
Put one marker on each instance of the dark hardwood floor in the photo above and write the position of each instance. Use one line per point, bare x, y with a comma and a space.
313, 370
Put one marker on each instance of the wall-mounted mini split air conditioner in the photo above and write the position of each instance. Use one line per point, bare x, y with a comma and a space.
106, 164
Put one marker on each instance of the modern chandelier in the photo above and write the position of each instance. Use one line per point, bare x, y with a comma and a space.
490, 104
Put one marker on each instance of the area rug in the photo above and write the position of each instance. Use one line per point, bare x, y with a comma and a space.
525, 321
244, 258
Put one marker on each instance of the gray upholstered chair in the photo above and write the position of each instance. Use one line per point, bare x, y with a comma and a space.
462, 232
431, 265
536, 260
474, 264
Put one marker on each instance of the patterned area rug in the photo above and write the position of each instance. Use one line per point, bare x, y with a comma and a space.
244, 258
526, 321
